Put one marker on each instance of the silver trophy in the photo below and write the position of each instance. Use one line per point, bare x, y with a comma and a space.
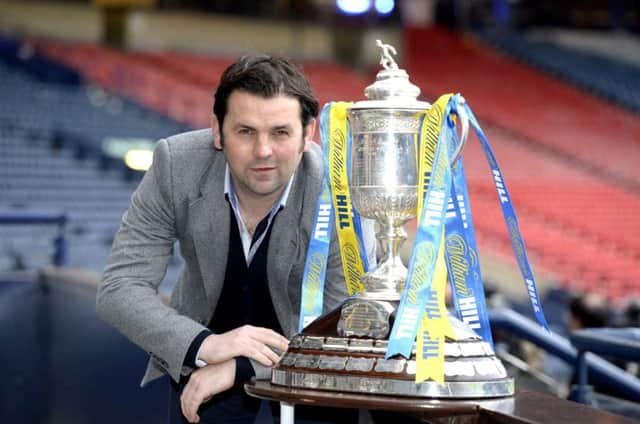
384, 177
345, 350
384, 187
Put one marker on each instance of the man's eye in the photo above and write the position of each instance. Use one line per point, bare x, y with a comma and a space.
282, 133
245, 131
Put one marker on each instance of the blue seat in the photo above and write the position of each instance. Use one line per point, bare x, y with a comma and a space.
610, 78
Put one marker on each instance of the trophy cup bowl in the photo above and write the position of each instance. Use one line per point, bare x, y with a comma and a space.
383, 187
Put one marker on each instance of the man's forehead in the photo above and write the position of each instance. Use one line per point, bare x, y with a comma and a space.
252, 110
244, 98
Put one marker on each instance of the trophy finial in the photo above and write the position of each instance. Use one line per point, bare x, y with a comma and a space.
386, 60
392, 84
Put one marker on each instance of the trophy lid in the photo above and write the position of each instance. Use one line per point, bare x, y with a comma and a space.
392, 88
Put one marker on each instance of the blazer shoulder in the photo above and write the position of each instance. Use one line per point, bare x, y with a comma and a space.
190, 151
192, 141
313, 161
186, 159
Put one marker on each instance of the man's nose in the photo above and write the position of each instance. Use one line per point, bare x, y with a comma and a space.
262, 147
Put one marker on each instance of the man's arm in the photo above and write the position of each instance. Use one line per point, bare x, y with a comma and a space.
257, 343
224, 360
128, 294
203, 384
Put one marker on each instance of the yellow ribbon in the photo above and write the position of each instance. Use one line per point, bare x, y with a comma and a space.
338, 178
435, 325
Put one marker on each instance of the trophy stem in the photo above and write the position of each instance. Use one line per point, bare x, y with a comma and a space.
387, 281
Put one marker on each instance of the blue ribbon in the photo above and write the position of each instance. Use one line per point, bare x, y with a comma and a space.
417, 289
315, 266
511, 220
460, 244
461, 252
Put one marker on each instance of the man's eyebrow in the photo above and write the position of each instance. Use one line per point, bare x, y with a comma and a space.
281, 127
241, 125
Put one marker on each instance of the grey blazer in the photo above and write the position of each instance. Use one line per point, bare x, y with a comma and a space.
181, 198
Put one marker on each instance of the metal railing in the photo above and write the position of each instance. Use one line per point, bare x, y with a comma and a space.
28, 217
585, 363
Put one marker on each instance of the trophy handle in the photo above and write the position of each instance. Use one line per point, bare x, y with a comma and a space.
464, 133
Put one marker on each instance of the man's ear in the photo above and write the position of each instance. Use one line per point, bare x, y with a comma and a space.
215, 132
309, 132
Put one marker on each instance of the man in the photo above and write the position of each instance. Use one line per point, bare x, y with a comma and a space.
240, 199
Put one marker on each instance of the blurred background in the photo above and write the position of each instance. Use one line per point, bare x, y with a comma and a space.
88, 87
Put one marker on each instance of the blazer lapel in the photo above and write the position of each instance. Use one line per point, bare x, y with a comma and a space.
209, 218
283, 245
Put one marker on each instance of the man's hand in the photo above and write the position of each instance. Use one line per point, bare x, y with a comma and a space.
205, 383
256, 343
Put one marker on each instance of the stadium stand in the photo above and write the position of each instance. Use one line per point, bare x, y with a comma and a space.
539, 108
610, 78
554, 131
575, 192
554, 128
52, 127
181, 85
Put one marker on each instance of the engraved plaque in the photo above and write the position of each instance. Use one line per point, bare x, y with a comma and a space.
329, 380
361, 345
364, 318
307, 361
370, 385
289, 359
313, 381
336, 344
396, 124
360, 364
464, 368
312, 343
381, 344
471, 349
296, 342
332, 362
459, 368
451, 368
452, 349
485, 367
390, 365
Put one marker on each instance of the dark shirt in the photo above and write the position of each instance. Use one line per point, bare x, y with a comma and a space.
245, 297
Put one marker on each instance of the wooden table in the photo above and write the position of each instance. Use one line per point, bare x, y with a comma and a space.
524, 408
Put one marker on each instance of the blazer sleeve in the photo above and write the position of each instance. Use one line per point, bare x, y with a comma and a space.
128, 293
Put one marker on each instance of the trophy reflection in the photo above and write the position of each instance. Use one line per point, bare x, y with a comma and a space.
345, 349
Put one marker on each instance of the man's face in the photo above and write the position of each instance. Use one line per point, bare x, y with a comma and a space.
263, 141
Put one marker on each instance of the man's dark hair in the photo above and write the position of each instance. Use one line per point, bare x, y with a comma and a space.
268, 77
